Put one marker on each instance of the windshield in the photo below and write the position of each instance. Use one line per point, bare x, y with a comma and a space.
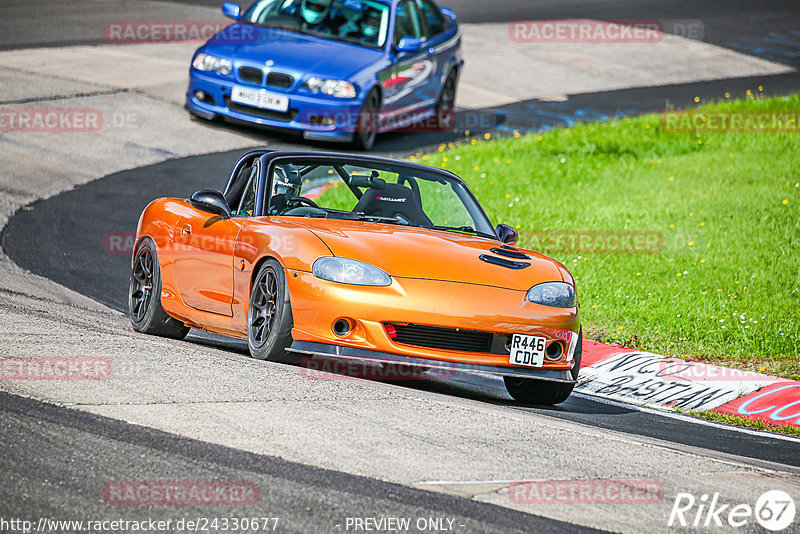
380, 193
363, 22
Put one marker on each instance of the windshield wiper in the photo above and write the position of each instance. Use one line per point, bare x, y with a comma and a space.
463, 229
287, 25
288, 28
343, 39
377, 218
359, 216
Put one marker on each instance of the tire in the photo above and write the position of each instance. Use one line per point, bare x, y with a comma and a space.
533, 391
445, 107
144, 296
577, 357
366, 128
447, 98
269, 316
544, 392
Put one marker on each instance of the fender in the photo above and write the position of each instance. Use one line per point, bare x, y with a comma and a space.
261, 238
157, 222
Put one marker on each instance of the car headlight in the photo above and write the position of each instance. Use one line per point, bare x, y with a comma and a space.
347, 271
554, 294
208, 62
338, 88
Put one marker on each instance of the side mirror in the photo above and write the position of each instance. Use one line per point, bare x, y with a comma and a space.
409, 44
449, 13
231, 10
506, 234
212, 202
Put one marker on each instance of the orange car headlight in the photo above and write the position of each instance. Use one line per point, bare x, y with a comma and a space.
553, 294
347, 271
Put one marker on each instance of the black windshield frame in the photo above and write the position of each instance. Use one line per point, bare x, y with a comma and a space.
270, 160
291, 24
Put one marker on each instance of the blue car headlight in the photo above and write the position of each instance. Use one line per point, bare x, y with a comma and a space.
337, 88
347, 271
553, 294
208, 62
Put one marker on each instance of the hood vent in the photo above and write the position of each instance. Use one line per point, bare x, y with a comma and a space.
502, 262
511, 253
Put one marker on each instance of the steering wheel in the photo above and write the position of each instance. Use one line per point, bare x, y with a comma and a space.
303, 201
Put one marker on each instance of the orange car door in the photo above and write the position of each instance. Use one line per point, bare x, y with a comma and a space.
203, 255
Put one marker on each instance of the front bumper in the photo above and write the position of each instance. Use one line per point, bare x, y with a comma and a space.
360, 355
304, 110
424, 302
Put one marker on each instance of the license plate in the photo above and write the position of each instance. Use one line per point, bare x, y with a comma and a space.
260, 99
527, 350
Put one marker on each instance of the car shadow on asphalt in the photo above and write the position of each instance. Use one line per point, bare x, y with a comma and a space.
397, 144
470, 386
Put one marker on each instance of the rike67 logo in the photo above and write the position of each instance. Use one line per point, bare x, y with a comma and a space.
774, 510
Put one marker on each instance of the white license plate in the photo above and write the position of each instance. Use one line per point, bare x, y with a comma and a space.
527, 350
260, 99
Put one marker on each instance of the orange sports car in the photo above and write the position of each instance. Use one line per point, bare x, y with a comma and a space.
360, 258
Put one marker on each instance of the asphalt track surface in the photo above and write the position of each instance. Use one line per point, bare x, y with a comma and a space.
726, 22
58, 460
44, 465
745, 26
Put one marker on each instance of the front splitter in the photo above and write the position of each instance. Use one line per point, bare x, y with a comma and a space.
348, 353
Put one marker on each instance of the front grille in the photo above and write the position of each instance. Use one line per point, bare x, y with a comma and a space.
251, 74
263, 113
437, 337
278, 79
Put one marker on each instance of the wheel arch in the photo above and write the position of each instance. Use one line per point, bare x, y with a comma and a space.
454, 67
259, 263
263, 239
156, 222
375, 85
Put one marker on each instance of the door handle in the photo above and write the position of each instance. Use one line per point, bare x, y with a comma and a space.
186, 231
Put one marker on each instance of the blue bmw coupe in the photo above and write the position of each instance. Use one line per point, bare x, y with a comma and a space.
336, 70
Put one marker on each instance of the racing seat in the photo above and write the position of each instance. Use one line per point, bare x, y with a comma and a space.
394, 201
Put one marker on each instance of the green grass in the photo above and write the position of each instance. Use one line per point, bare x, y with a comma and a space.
755, 424
725, 287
